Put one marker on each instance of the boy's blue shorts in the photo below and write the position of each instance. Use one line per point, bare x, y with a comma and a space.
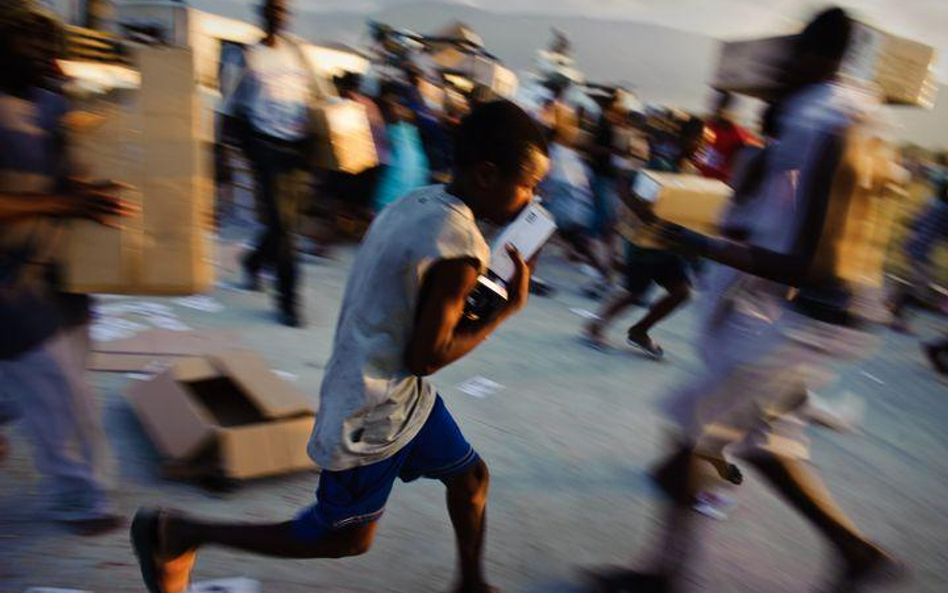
357, 496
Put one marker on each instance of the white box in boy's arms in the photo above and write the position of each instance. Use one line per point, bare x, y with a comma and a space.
692, 201
527, 233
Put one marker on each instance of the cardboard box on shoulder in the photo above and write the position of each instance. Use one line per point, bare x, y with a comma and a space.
902, 69
151, 143
228, 414
692, 201
343, 136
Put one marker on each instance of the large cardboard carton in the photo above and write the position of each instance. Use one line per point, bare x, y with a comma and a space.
343, 136
692, 201
153, 144
902, 69
229, 411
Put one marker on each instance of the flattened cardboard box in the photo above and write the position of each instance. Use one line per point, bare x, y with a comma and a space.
231, 406
150, 143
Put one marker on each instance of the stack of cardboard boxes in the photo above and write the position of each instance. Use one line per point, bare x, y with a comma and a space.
150, 141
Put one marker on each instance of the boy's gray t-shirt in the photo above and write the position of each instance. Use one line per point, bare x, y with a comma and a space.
371, 405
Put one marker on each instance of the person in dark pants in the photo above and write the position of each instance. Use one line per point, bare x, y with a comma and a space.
268, 111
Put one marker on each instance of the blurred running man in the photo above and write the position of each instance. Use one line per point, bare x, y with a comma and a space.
802, 305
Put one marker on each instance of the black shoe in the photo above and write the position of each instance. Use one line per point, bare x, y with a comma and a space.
291, 318
251, 277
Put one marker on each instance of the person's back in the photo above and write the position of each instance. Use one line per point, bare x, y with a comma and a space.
370, 401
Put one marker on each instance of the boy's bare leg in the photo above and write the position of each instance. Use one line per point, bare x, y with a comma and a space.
279, 540
467, 503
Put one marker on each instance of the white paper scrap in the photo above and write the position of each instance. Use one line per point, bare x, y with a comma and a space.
234, 585
286, 375
584, 313
201, 303
172, 323
480, 387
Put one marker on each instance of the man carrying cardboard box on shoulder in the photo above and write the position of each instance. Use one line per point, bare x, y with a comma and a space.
43, 332
269, 112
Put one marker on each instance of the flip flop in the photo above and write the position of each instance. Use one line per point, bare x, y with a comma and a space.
160, 576
649, 348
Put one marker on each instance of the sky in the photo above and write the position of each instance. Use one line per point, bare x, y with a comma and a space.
922, 20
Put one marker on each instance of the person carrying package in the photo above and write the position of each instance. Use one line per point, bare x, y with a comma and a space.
268, 111
777, 329
44, 340
402, 319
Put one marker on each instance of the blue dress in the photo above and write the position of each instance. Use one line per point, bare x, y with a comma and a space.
407, 168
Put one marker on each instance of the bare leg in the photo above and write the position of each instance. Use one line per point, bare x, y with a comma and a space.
801, 487
467, 503
276, 539
595, 328
676, 297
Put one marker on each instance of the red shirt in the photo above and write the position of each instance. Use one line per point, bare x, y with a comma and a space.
725, 140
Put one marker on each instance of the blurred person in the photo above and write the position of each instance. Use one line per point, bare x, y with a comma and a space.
268, 111
604, 150
567, 190
403, 319
928, 231
359, 189
786, 321
429, 112
648, 258
45, 341
407, 167
725, 140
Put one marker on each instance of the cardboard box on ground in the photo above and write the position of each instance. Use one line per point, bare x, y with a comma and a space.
226, 414
899, 67
150, 140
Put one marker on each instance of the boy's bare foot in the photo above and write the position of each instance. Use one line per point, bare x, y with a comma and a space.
165, 565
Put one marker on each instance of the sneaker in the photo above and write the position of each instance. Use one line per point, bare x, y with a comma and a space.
647, 345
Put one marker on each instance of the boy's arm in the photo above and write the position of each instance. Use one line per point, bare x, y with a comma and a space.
441, 335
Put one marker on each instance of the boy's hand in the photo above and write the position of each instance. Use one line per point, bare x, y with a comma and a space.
519, 285
97, 201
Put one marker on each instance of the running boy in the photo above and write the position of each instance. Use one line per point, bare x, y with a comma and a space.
402, 319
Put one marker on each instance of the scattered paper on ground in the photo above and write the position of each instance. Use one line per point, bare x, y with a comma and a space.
172, 323
201, 303
584, 313
479, 387
286, 375
235, 585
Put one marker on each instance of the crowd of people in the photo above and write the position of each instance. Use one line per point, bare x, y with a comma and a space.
779, 312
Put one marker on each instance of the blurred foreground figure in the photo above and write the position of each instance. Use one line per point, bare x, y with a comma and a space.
44, 338
268, 112
403, 318
801, 304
